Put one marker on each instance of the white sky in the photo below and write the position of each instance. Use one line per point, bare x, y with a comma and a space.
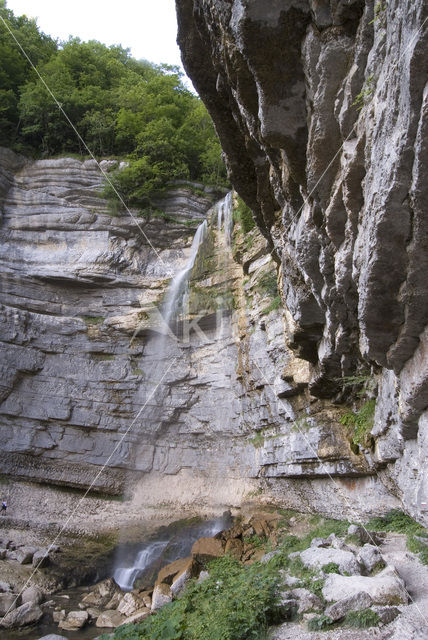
147, 27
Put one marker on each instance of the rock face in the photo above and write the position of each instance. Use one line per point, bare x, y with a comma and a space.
87, 386
321, 108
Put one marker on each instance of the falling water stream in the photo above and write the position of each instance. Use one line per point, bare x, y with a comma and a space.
133, 563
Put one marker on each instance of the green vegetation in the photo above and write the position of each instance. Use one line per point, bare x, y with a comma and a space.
120, 107
399, 522
331, 567
244, 216
93, 320
365, 94
360, 423
320, 623
361, 619
380, 13
258, 440
273, 306
236, 602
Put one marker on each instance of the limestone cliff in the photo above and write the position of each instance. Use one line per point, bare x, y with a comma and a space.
321, 107
91, 398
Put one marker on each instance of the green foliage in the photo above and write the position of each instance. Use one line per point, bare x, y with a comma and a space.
331, 567
119, 105
267, 283
416, 546
244, 216
365, 94
236, 602
273, 306
362, 619
93, 320
398, 521
380, 13
258, 440
361, 422
320, 623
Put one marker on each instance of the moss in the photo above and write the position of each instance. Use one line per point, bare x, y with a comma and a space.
258, 440
92, 320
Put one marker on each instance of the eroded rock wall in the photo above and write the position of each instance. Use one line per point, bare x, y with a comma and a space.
321, 108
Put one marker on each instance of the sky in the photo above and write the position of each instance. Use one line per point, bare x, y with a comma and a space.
147, 27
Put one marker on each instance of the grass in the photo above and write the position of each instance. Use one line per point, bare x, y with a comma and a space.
363, 619
320, 623
365, 94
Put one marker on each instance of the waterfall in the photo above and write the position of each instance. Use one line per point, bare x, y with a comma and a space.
179, 284
225, 217
125, 576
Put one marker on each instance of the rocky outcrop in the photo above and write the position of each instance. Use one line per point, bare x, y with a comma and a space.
321, 108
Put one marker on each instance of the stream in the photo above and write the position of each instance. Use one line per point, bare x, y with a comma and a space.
134, 563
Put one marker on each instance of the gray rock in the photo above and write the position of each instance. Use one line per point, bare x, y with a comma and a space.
74, 620
5, 587
356, 602
110, 619
308, 601
26, 614
32, 594
386, 588
386, 614
370, 557
7, 601
41, 558
317, 557
3, 554
24, 555
53, 636
129, 604
161, 595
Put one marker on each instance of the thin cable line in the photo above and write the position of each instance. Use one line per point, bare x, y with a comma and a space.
335, 483
60, 107
71, 515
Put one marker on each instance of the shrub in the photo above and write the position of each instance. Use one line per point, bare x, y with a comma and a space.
244, 216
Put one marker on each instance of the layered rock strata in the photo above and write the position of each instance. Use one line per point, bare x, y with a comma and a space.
321, 108
218, 416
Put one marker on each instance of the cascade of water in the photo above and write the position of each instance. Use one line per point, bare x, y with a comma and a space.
225, 217
125, 576
178, 285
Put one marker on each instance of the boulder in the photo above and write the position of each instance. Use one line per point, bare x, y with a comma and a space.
101, 594
307, 601
386, 614
365, 536
339, 609
113, 603
386, 588
129, 604
138, 616
370, 557
5, 587
172, 570
53, 636
74, 620
32, 594
206, 549
161, 595
146, 597
59, 615
110, 619
93, 613
3, 554
234, 547
7, 602
27, 613
318, 557
24, 555
234, 532
41, 558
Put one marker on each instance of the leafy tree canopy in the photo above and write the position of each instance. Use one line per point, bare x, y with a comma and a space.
119, 105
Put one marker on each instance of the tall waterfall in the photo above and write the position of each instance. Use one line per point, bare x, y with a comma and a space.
179, 285
225, 217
